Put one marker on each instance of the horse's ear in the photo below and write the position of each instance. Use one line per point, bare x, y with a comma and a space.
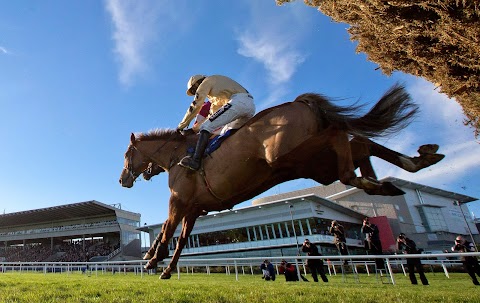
132, 138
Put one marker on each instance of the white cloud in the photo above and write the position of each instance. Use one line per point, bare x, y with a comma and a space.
276, 56
134, 24
272, 38
4, 50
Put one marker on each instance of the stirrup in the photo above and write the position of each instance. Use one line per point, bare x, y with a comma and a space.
190, 163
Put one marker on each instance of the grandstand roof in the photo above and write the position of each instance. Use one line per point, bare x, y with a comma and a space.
56, 213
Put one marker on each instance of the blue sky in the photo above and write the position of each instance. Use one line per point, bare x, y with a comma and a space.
77, 77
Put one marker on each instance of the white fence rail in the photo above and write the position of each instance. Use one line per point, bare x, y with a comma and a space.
334, 264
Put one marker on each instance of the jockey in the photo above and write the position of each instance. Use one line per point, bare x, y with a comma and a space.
231, 107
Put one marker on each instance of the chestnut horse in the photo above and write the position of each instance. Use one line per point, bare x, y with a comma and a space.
306, 138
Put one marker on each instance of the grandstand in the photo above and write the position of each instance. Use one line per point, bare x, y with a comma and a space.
77, 232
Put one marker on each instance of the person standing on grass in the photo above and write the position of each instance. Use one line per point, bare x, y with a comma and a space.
372, 241
315, 265
470, 263
408, 246
338, 232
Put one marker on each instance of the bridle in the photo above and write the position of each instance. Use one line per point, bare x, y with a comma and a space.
129, 153
129, 166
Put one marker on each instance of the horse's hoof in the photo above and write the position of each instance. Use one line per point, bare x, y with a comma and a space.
428, 149
165, 276
370, 183
425, 160
151, 264
147, 256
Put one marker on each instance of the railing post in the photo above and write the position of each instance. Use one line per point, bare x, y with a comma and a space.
390, 271
236, 270
445, 270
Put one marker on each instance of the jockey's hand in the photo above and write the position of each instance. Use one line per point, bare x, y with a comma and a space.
187, 131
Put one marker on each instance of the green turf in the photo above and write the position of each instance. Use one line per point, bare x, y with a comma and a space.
203, 288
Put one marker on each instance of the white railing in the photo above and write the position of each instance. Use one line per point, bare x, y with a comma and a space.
332, 262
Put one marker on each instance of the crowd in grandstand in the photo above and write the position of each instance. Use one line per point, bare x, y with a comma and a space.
78, 251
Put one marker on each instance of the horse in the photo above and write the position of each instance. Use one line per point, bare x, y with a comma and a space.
305, 138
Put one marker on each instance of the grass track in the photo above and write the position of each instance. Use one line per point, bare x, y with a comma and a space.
202, 288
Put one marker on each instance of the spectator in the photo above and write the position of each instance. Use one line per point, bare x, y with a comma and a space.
470, 263
340, 241
315, 265
408, 246
372, 241
289, 270
268, 271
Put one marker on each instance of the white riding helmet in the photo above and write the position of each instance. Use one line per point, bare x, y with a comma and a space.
192, 81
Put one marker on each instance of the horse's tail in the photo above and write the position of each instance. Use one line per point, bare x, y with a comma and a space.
393, 112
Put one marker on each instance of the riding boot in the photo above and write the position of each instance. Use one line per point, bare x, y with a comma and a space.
194, 162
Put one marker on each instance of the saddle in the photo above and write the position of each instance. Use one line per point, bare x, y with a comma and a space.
214, 143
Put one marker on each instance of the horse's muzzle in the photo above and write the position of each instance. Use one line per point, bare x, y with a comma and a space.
126, 179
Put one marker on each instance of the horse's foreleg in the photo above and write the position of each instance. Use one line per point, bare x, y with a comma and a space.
151, 251
168, 228
188, 223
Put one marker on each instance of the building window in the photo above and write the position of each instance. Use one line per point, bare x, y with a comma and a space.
278, 231
432, 218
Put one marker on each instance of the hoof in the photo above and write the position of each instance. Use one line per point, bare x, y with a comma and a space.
391, 190
165, 276
426, 160
428, 149
151, 264
147, 256
370, 183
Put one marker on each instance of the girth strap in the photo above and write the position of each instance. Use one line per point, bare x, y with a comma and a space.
207, 184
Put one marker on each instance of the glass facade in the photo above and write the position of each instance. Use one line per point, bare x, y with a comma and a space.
128, 237
271, 231
125, 221
432, 218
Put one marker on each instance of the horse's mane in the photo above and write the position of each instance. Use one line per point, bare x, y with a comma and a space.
163, 134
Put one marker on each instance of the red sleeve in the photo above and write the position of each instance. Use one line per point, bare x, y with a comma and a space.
205, 109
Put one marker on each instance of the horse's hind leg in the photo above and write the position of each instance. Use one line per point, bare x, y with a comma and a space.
427, 152
188, 223
346, 169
